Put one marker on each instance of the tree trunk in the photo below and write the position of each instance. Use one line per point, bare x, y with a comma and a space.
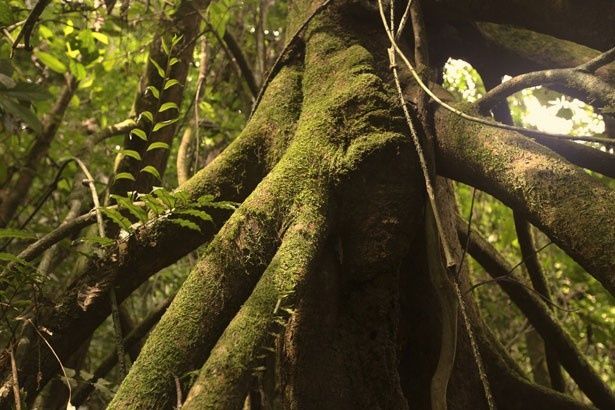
323, 275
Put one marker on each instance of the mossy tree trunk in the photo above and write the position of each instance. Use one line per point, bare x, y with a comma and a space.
320, 280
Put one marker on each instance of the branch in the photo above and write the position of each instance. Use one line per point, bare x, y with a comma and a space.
224, 380
595, 63
17, 193
473, 118
590, 22
581, 155
132, 339
579, 369
183, 156
232, 176
244, 68
539, 282
596, 91
26, 30
531, 179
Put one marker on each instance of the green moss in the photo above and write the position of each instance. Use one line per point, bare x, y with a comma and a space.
224, 379
567, 204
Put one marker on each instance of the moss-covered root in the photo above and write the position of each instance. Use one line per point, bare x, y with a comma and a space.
232, 176
225, 378
222, 281
212, 294
574, 209
571, 358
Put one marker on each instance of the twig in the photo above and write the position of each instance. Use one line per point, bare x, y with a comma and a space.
53, 352
539, 283
16, 394
403, 21
510, 272
121, 353
28, 26
178, 390
465, 248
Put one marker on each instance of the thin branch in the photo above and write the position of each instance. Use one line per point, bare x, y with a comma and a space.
595, 63
539, 282
117, 326
55, 355
121, 127
403, 21
26, 30
478, 119
575, 363
203, 65
16, 394
581, 155
596, 91
244, 68
131, 340
18, 192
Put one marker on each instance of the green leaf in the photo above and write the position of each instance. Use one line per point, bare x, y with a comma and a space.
158, 145
27, 92
165, 47
152, 203
131, 153
77, 69
176, 39
152, 171
170, 83
101, 37
165, 196
44, 32
161, 72
202, 215
185, 224
173, 61
160, 125
148, 115
155, 92
23, 113
127, 204
16, 233
124, 175
168, 106
51, 61
9, 257
205, 199
139, 133
117, 217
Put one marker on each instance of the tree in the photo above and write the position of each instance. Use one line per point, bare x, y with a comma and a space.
339, 280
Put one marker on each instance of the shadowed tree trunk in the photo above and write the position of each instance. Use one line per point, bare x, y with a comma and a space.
323, 278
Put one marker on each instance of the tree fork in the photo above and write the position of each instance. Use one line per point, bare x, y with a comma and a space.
232, 176
224, 380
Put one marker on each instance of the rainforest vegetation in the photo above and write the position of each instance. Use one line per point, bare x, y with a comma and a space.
307, 204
